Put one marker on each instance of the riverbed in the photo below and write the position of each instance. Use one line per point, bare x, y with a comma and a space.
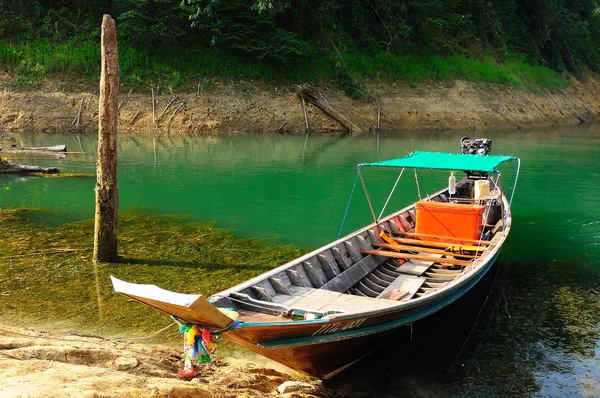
535, 329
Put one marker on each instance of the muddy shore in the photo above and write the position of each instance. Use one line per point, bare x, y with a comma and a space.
224, 107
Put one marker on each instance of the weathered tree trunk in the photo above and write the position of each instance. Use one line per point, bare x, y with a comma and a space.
107, 191
311, 95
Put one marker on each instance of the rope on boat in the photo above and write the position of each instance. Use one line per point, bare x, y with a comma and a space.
149, 336
86, 341
349, 201
516, 178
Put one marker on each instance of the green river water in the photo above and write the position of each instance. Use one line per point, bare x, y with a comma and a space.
537, 332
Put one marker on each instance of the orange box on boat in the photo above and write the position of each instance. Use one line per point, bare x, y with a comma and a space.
449, 219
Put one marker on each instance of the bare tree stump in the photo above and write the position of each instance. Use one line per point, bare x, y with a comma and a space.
107, 191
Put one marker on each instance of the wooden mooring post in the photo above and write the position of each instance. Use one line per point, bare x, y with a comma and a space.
107, 191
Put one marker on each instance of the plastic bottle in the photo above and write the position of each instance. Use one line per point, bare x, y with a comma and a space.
452, 183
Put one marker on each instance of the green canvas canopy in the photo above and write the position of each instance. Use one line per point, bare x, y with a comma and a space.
445, 161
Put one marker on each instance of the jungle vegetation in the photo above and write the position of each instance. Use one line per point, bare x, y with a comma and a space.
517, 42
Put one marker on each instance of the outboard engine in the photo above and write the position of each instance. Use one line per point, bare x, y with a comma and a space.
476, 146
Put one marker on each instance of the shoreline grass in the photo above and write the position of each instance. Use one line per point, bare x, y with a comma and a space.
33, 61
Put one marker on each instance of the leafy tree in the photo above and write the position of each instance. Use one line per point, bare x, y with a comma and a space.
150, 21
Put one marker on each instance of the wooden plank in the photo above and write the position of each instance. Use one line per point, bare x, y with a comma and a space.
394, 295
295, 277
405, 224
328, 264
418, 242
341, 256
413, 218
316, 300
261, 293
364, 243
351, 303
296, 294
416, 257
417, 267
381, 275
353, 250
315, 273
464, 240
279, 286
372, 285
404, 283
377, 280
395, 226
352, 275
373, 237
367, 290
421, 249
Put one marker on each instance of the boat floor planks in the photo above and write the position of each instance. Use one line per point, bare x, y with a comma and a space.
417, 267
319, 300
404, 283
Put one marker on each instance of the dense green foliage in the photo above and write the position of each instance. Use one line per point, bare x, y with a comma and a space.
504, 41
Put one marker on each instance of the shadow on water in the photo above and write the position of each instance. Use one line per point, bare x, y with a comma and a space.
524, 329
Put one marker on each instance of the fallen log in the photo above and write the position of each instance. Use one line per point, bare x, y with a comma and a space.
311, 95
55, 148
15, 168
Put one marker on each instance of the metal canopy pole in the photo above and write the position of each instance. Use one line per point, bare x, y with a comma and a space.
367, 194
512, 194
418, 187
391, 193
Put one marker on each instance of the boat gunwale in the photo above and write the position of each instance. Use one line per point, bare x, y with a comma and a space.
461, 278
382, 327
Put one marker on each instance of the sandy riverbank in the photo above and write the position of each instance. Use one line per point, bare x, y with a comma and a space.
241, 107
41, 364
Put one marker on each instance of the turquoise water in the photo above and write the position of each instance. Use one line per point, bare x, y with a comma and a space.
538, 332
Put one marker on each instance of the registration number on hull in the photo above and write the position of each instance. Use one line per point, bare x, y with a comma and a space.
338, 327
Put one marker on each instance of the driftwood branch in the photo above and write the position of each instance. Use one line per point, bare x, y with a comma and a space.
282, 124
41, 149
78, 116
173, 98
311, 95
134, 116
175, 111
153, 107
125, 99
305, 115
15, 168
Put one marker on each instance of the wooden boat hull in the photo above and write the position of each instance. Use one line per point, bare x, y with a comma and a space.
324, 349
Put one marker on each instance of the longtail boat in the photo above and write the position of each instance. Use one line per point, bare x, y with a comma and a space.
324, 311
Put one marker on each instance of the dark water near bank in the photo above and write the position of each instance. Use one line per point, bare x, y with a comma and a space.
537, 332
